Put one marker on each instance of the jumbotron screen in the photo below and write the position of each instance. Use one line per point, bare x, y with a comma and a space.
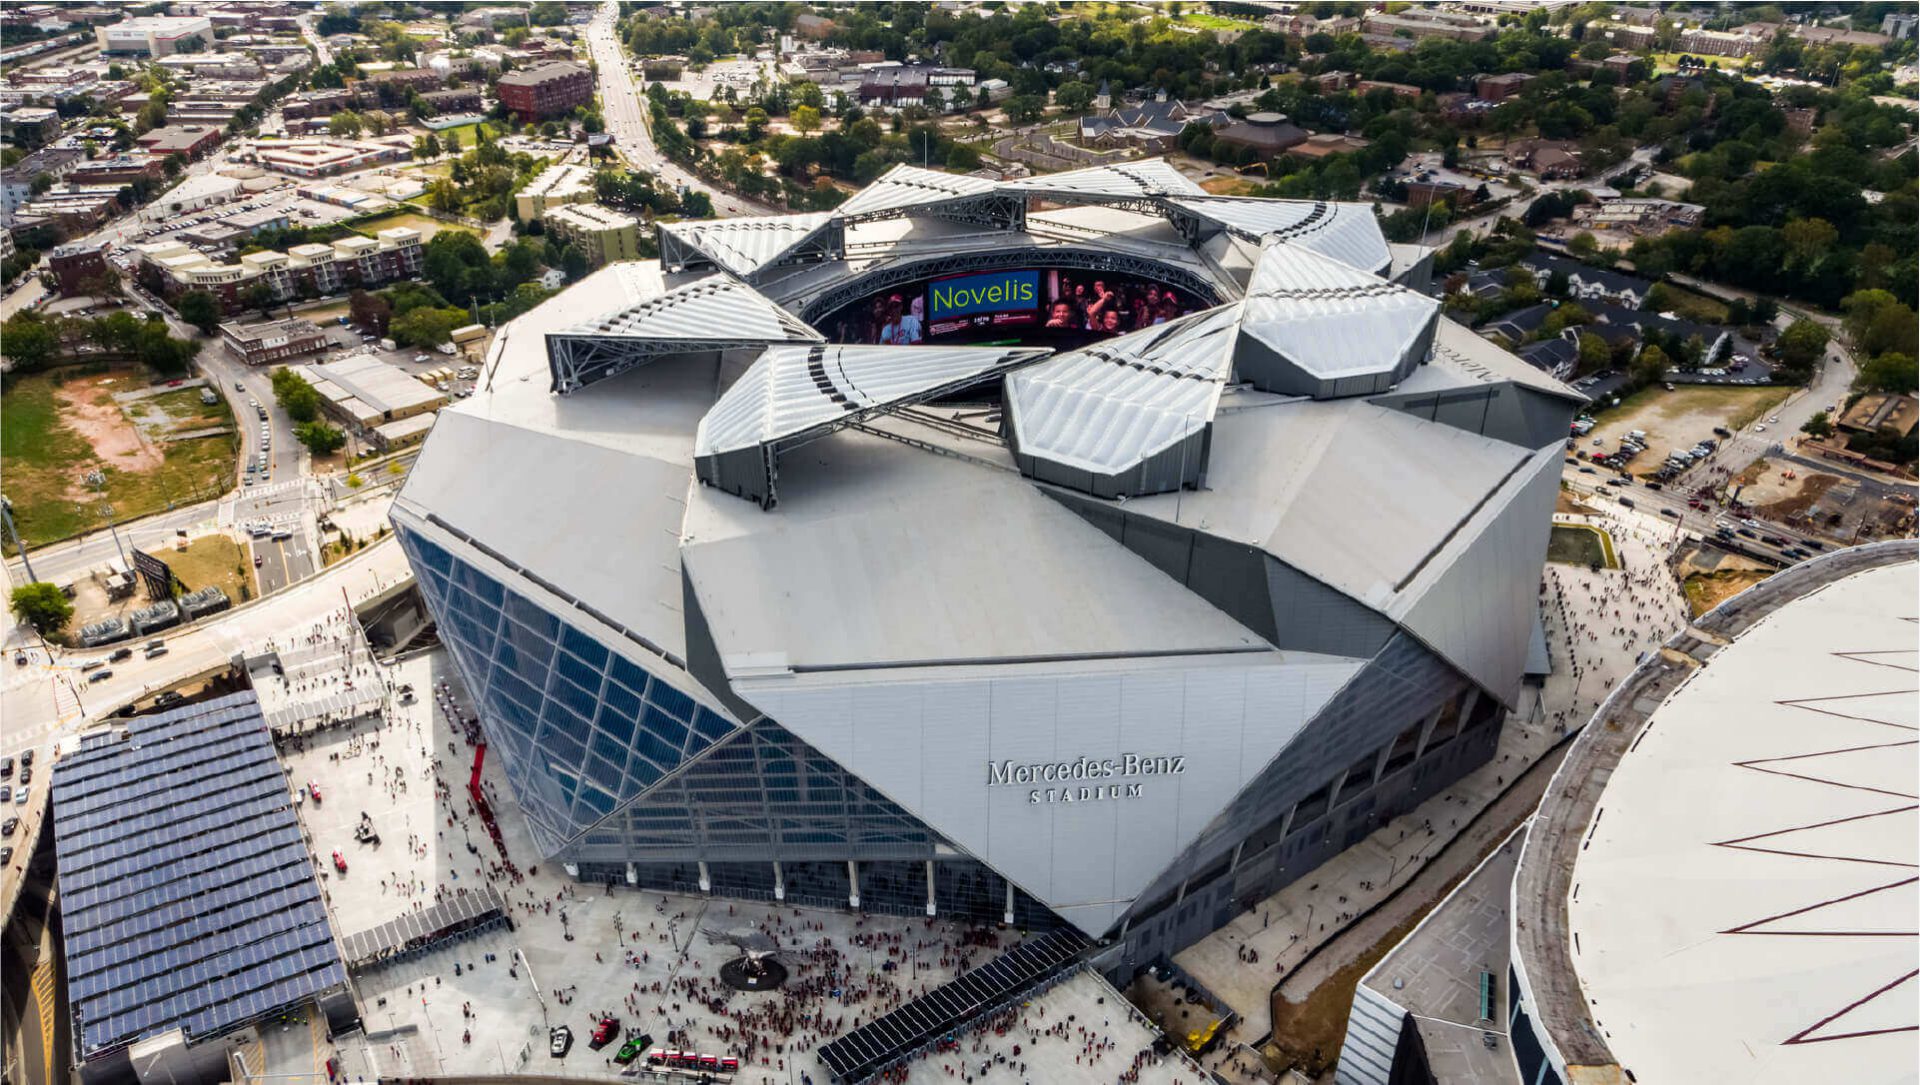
1042, 307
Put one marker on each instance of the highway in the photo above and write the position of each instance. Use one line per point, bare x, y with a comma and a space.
624, 108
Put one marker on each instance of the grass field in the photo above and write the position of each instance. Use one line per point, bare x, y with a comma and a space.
214, 561
1571, 544
1217, 22
43, 459
465, 133
426, 224
1696, 307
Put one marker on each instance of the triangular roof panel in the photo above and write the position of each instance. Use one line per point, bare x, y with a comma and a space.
1108, 407
1347, 232
745, 245
791, 389
716, 307
1330, 321
910, 186
1147, 177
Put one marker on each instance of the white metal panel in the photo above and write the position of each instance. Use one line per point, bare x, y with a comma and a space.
1476, 611
1331, 320
1146, 177
910, 186
1094, 854
745, 245
716, 307
790, 389
1108, 407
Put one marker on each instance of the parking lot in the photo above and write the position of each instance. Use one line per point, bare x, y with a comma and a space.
1679, 419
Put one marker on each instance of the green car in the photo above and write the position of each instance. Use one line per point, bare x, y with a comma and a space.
631, 1050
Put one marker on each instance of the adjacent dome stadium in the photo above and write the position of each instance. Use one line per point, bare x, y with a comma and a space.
1080, 549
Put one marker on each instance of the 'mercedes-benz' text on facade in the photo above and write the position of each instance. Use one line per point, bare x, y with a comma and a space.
1084, 779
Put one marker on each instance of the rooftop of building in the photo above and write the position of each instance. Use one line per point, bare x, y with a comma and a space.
382, 387
590, 216
290, 328
544, 71
188, 898
1714, 877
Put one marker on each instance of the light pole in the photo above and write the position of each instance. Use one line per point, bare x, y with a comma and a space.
6, 516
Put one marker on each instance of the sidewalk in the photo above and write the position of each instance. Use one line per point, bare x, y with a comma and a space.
1609, 617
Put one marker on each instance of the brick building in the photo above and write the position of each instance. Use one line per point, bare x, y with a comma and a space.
263, 344
187, 141
173, 268
545, 90
80, 265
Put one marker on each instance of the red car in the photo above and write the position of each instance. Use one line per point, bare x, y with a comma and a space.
313, 789
339, 861
604, 1031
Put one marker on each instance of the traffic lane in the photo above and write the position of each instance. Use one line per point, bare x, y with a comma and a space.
64, 560
270, 564
1705, 521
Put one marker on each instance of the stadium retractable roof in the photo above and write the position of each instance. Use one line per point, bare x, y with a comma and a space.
792, 394
1128, 415
1147, 177
1313, 326
715, 313
1347, 232
742, 246
904, 187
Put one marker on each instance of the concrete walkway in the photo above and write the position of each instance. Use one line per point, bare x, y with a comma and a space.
1609, 618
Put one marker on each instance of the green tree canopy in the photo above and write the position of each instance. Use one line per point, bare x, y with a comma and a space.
200, 309
43, 606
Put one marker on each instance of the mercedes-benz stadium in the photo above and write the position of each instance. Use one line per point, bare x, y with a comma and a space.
1082, 550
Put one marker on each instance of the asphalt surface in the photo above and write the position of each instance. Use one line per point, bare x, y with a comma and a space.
625, 106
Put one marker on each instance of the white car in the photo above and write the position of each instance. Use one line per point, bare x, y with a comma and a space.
1760, 429
1775, 419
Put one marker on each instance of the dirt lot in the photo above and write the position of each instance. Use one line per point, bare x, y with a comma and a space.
1680, 418
54, 431
1708, 590
88, 409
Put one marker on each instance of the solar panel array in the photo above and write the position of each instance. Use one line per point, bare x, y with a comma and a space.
451, 916
187, 893
871, 1047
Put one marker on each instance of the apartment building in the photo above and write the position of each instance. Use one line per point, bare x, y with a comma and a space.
312, 269
601, 234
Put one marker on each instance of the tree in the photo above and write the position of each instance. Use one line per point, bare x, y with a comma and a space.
259, 296
1073, 97
200, 309
1802, 344
1890, 372
1025, 108
1650, 366
345, 124
756, 123
40, 184
1818, 426
1877, 322
30, 340
295, 396
807, 119
426, 326
43, 606
1582, 245
1594, 353
320, 438
369, 311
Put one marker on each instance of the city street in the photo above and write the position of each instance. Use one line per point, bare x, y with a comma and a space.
625, 106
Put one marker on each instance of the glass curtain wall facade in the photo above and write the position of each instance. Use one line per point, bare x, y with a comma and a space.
632, 780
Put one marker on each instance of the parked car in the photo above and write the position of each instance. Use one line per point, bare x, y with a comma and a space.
559, 1041
604, 1032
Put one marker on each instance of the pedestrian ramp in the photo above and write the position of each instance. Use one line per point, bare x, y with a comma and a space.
941, 1012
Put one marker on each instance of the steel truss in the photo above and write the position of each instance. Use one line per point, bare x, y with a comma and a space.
576, 361
1024, 256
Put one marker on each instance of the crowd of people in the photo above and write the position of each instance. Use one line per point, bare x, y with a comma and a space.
1113, 306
